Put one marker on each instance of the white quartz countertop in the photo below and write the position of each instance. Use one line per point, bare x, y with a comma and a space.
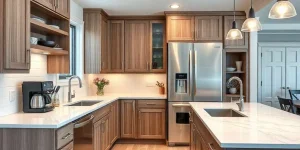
264, 126
63, 115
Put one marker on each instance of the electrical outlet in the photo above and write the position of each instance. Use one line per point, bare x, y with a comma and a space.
12, 96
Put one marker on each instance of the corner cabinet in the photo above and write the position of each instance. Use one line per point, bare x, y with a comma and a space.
241, 44
14, 36
208, 28
158, 51
137, 50
180, 28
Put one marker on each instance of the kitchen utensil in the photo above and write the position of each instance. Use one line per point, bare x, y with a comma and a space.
46, 43
37, 101
34, 40
239, 65
230, 69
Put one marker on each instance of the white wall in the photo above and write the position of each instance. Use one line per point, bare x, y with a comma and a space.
128, 83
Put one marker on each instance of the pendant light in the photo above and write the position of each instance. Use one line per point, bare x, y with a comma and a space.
251, 24
234, 33
282, 9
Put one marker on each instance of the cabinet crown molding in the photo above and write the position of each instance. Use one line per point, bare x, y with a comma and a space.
205, 13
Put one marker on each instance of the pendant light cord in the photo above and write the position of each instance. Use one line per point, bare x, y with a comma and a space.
251, 3
234, 10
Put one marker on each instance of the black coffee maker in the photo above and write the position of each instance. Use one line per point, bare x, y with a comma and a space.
36, 97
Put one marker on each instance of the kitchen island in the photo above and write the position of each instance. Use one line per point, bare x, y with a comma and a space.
258, 127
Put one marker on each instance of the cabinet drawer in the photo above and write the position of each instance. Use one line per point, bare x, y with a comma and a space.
101, 113
208, 138
64, 135
68, 147
151, 103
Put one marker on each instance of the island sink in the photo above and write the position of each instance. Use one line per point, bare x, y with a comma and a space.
223, 113
84, 103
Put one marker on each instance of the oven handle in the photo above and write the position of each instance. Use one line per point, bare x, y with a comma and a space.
81, 124
181, 105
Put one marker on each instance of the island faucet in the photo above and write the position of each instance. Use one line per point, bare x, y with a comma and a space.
70, 94
241, 101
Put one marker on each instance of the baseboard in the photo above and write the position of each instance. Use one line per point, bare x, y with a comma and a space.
140, 141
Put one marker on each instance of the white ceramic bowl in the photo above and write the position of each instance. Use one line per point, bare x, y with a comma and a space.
34, 40
230, 69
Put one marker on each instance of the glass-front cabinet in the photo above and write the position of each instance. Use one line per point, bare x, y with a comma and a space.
158, 47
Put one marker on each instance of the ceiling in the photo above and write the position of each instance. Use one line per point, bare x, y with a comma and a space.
157, 7
263, 14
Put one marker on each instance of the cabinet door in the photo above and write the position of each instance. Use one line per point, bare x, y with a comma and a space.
16, 29
158, 54
105, 54
116, 29
208, 28
114, 122
92, 45
180, 28
101, 134
47, 3
151, 123
243, 43
128, 119
197, 142
69, 146
137, 50
63, 7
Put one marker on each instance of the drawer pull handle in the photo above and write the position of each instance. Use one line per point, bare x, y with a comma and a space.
67, 136
151, 104
211, 146
81, 124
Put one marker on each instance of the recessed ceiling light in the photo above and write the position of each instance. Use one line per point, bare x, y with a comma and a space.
174, 6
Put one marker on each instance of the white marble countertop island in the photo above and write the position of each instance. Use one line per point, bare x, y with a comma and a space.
63, 115
264, 127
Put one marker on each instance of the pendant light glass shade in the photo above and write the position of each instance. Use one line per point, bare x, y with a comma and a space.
282, 9
251, 24
234, 33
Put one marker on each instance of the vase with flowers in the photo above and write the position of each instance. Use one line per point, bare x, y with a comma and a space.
100, 83
161, 87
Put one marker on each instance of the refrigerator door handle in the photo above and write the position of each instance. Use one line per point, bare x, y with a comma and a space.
195, 74
190, 64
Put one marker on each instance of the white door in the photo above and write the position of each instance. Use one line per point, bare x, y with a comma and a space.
273, 75
292, 69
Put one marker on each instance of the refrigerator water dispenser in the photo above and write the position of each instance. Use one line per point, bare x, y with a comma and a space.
181, 83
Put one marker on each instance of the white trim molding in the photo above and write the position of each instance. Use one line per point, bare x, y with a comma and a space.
281, 26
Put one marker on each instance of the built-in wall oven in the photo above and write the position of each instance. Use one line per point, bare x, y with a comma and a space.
83, 133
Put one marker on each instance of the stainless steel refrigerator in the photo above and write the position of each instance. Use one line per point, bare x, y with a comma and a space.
194, 74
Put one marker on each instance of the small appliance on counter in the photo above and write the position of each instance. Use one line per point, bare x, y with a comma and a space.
36, 97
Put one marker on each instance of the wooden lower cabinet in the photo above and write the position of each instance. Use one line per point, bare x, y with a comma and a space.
197, 142
70, 146
151, 123
114, 126
128, 119
101, 140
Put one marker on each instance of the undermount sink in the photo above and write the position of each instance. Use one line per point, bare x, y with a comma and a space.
84, 103
223, 113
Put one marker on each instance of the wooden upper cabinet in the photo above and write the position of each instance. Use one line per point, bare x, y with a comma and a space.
151, 123
116, 47
128, 113
137, 47
180, 28
208, 28
243, 43
47, 3
105, 54
63, 7
15, 36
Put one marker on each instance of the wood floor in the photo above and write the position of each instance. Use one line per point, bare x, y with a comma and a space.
147, 147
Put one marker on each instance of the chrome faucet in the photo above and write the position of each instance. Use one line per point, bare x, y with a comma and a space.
241, 101
72, 95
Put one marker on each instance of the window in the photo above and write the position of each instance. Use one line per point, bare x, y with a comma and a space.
73, 54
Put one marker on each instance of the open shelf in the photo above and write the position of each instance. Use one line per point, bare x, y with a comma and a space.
38, 49
235, 72
233, 95
37, 26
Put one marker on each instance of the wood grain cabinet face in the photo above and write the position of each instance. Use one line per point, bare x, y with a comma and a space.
243, 43
137, 46
47, 3
128, 122
197, 142
101, 140
114, 123
105, 59
16, 35
63, 7
116, 48
208, 28
180, 28
151, 123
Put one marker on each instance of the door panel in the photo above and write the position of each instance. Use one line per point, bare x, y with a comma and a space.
63, 7
292, 69
180, 28
47, 3
208, 28
273, 75
105, 53
137, 56
17, 34
128, 119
